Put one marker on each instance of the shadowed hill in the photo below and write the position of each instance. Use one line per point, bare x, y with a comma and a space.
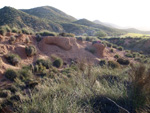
15, 18
50, 13
108, 30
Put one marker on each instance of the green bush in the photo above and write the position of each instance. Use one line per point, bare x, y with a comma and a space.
38, 38
2, 32
45, 63
111, 50
114, 46
67, 34
12, 40
25, 74
120, 48
113, 64
116, 56
11, 74
25, 31
31, 50
129, 55
13, 59
58, 63
87, 39
102, 62
79, 39
14, 30
27, 40
123, 61
47, 33
109, 44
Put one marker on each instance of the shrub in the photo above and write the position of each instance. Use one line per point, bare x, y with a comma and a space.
87, 39
12, 40
13, 59
2, 32
38, 38
31, 50
67, 34
25, 74
109, 44
45, 63
47, 33
113, 64
129, 55
120, 48
25, 31
7, 28
111, 50
94, 42
58, 63
27, 40
102, 62
79, 39
11, 74
14, 30
116, 56
123, 61
114, 46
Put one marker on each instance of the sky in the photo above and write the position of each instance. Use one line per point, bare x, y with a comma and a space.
124, 13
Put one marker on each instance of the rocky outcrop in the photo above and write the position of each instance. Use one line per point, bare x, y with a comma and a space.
99, 49
62, 42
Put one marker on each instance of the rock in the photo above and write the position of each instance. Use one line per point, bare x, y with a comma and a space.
99, 49
62, 42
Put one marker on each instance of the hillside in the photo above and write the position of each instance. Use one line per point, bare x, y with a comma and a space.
50, 13
52, 19
18, 19
68, 69
108, 30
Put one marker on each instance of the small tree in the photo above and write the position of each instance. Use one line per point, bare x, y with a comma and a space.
100, 34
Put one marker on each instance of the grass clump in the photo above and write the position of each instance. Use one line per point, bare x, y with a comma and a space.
67, 34
15, 30
113, 64
25, 31
102, 62
58, 62
27, 40
38, 38
45, 63
111, 50
13, 59
116, 56
11, 74
47, 33
123, 61
120, 48
129, 55
2, 31
12, 40
140, 93
31, 50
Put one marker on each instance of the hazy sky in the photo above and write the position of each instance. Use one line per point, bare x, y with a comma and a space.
133, 13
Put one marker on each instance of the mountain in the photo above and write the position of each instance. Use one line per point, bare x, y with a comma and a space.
52, 19
16, 18
129, 30
133, 30
50, 13
108, 30
107, 24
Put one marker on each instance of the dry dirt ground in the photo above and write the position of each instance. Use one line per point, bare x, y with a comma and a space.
75, 51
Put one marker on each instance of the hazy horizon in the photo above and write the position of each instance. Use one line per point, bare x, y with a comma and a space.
123, 13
